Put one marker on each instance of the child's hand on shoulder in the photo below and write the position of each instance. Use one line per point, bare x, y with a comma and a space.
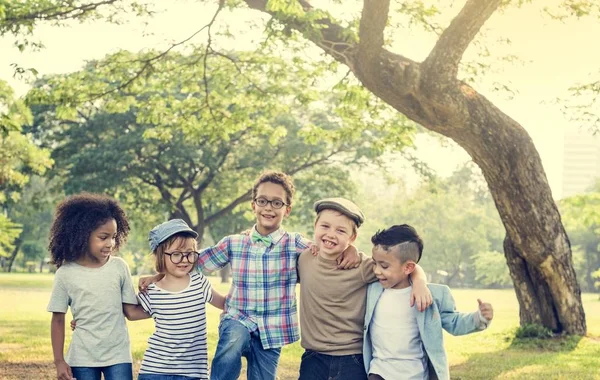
420, 295
486, 310
144, 282
350, 258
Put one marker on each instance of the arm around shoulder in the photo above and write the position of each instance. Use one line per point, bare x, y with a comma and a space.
217, 256
420, 293
134, 312
218, 300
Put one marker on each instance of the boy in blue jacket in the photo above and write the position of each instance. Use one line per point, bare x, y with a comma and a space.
399, 342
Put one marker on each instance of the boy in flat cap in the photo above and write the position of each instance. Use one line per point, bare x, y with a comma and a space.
332, 302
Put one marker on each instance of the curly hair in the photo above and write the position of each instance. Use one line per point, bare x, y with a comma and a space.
76, 218
278, 178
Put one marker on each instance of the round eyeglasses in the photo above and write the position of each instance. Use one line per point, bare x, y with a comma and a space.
177, 257
275, 203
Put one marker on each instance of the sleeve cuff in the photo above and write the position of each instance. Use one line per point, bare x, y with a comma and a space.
480, 321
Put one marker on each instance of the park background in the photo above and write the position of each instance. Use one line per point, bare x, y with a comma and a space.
186, 139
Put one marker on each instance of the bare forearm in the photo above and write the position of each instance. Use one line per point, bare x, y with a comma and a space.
218, 300
57, 336
134, 312
418, 274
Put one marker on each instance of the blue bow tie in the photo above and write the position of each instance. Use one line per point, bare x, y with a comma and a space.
256, 237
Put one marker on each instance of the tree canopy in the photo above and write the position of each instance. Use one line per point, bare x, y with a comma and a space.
19, 159
435, 94
188, 141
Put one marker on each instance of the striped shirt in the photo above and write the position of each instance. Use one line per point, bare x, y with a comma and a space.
262, 295
178, 345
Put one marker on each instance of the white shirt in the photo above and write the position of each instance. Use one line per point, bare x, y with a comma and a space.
398, 352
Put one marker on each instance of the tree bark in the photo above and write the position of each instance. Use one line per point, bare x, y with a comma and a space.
225, 273
537, 248
13, 255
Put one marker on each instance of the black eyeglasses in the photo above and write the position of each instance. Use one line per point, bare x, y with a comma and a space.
276, 203
177, 257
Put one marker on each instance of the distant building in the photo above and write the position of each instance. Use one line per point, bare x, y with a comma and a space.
581, 162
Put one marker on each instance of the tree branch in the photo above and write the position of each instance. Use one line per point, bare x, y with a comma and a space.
235, 63
309, 164
205, 61
442, 63
148, 63
326, 34
372, 24
56, 13
242, 198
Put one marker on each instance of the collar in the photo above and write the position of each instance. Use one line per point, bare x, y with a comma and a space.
275, 236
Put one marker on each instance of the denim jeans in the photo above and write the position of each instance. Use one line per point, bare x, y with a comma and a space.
236, 341
149, 376
121, 371
316, 366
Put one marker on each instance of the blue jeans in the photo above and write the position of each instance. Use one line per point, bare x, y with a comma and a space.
148, 376
236, 341
316, 366
121, 371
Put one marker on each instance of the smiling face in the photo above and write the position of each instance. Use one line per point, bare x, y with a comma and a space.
390, 272
334, 232
102, 242
268, 218
184, 245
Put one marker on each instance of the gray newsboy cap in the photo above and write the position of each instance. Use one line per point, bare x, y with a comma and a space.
165, 230
342, 205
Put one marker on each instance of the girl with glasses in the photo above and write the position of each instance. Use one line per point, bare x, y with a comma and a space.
178, 348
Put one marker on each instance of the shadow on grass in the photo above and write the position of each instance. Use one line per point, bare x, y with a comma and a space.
27, 370
572, 357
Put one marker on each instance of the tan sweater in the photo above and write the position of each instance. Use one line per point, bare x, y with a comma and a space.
332, 304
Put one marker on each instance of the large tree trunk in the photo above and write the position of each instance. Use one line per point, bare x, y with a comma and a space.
537, 248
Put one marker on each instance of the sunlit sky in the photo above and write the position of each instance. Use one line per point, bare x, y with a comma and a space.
554, 56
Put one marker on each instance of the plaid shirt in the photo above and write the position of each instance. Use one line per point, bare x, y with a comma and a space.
263, 290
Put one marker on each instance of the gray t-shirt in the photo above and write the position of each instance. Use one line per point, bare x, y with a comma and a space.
95, 296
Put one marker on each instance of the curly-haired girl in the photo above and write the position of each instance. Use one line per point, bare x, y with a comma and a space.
86, 230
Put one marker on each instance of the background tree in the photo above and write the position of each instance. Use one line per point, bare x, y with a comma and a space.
582, 221
33, 213
456, 219
19, 159
431, 93
186, 142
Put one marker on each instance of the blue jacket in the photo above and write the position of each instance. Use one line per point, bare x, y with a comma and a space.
441, 314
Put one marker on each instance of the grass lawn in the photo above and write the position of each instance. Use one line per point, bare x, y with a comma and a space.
25, 351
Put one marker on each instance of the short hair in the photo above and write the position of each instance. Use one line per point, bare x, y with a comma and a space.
159, 252
76, 218
278, 178
354, 226
409, 244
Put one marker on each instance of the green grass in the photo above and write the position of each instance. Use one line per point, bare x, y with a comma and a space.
25, 351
